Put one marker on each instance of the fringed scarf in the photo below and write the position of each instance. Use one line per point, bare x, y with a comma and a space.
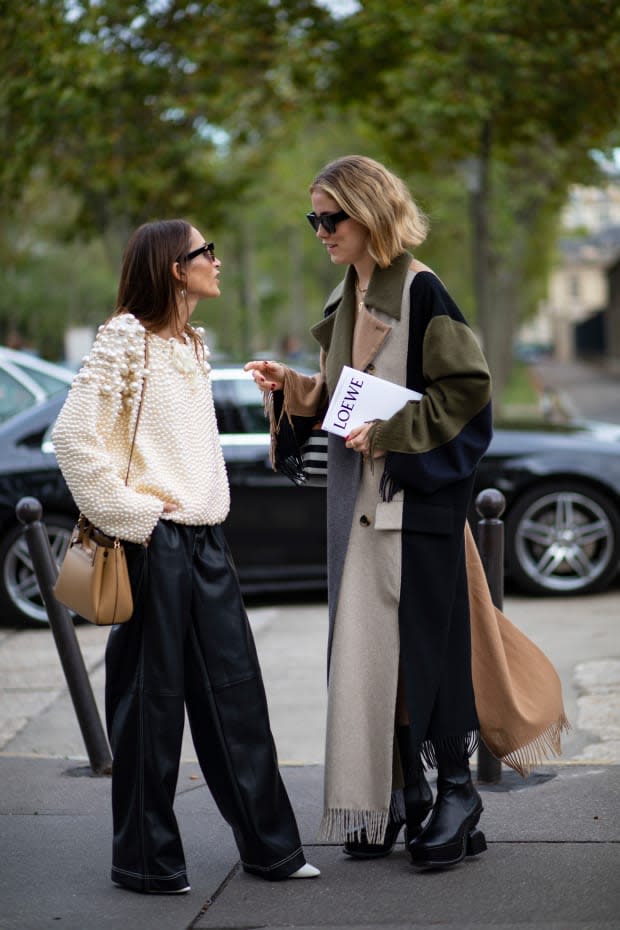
518, 691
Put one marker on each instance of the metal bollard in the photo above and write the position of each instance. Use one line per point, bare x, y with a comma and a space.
29, 512
490, 505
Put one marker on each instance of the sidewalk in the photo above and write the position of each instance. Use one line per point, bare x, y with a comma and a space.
554, 852
553, 861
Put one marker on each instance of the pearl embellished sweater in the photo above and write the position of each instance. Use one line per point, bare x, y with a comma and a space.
177, 456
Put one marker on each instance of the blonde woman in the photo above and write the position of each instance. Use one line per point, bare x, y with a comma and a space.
403, 568
400, 681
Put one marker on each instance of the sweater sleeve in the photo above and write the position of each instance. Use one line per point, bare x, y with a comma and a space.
441, 438
93, 434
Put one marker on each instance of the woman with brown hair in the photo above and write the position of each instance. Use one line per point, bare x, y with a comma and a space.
188, 642
400, 660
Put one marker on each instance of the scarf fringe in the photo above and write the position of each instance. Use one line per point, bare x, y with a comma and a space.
547, 745
453, 746
274, 425
341, 824
292, 467
388, 486
285, 450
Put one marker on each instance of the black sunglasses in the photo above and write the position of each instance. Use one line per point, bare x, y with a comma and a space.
328, 221
207, 249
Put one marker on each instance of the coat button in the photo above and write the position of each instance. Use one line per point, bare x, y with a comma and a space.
364, 521
370, 368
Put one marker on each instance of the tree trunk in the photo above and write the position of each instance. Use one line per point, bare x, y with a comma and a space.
507, 314
479, 202
248, 343
295, 326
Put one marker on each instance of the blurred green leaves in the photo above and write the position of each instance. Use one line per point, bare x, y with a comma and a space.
117, 112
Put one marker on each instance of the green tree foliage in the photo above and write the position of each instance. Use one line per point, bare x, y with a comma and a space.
136, 105
48, 278
152, 108
116, 112
35, 49
510, 96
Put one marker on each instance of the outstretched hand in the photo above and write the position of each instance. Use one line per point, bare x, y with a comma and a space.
269, 376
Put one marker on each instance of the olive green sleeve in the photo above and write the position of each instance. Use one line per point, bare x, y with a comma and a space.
459, 387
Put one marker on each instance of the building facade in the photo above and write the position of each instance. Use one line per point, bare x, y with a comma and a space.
578, 298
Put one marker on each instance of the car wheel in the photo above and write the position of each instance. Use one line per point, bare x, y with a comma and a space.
563, 538
20, 600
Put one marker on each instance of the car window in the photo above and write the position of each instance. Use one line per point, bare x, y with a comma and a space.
250, 403
49, 383
238, 406
14, 397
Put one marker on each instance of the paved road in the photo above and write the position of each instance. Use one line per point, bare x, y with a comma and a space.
590, 391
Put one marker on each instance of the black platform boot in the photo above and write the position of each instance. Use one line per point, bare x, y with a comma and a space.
451, 832
418, 799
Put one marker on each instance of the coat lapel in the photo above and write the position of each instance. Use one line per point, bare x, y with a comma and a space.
335, 332
369, 335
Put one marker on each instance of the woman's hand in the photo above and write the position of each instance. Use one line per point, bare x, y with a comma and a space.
359, 440
170, 508
269, 376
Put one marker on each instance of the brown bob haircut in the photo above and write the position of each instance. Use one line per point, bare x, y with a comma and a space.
147, 288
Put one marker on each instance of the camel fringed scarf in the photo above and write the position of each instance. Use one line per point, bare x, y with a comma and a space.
518, 691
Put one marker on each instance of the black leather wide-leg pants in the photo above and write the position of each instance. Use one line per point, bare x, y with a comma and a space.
189, 643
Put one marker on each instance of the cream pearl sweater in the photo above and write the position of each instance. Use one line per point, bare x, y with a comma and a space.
177, 455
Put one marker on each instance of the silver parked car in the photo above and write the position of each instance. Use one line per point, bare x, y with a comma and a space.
26, 380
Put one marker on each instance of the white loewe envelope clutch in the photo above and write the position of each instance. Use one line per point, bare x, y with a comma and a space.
360, 397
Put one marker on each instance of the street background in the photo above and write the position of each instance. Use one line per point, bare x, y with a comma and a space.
554, 853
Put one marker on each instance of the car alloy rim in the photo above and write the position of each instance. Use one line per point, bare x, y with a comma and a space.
19, 576
564, 541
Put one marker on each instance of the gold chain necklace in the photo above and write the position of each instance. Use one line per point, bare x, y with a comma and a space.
362, 292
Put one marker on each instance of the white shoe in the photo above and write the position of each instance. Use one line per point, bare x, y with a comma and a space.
306, 871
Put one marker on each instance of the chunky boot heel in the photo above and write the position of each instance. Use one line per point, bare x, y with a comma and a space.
476, 843
451, 832
362, 849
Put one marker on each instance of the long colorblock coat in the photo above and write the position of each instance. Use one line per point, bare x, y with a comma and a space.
398, 592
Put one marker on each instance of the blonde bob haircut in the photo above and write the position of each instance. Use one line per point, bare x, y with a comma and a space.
377, 199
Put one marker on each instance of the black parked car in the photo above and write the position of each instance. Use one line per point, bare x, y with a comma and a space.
276, 531
562, 489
